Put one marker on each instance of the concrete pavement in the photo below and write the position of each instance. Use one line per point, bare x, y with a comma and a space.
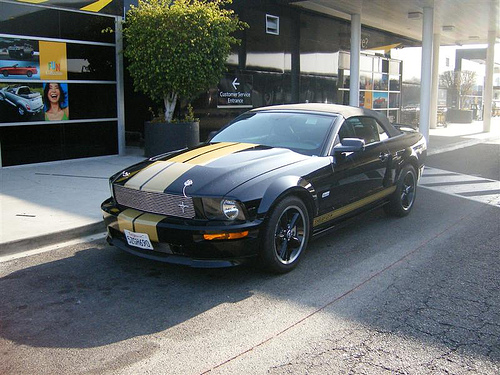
48, 203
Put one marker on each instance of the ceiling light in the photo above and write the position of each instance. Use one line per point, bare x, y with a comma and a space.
415, 15
448, 28
473, 37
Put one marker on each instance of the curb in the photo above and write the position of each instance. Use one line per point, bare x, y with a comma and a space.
32, 243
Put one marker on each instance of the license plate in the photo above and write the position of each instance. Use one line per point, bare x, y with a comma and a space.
140, 240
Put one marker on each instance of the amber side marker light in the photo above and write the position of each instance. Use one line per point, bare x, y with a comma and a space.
225, 236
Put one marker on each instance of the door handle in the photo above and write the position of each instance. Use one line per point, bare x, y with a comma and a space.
383, 156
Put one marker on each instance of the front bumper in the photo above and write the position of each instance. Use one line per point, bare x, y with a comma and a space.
181, 241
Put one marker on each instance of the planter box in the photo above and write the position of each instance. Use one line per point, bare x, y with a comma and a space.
161, 137
459, 116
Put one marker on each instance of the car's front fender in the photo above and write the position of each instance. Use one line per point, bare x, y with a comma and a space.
287, 185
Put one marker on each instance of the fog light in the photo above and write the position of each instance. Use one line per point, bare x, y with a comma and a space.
225, 236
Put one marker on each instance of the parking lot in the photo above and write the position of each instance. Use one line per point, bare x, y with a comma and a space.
382, 295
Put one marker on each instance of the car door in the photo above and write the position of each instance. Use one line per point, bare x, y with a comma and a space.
360, 174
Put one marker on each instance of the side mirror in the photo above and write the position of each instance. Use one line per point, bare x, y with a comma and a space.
349, 145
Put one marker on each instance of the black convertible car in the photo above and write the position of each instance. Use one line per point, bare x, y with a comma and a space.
264, 185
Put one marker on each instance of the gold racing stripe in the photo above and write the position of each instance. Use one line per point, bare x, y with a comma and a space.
147, 224
136, 181
126, 219
160, 182
186, 156
352, 206
211, 156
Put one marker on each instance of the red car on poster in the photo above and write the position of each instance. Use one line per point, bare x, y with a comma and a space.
18, 70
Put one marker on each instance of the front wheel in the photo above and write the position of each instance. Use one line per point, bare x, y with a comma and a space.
286, 235
401, 201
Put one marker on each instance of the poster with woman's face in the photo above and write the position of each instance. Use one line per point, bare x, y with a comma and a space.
55, 99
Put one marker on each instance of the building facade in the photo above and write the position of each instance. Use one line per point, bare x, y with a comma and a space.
58, 82
68, 51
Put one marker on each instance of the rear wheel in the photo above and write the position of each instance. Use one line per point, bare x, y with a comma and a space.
286, 235
401, 201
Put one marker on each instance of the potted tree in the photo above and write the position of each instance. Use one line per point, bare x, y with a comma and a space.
177, 49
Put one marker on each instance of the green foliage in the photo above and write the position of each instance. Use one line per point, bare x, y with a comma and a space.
178, 47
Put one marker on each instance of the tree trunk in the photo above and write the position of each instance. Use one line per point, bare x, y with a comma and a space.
170, 101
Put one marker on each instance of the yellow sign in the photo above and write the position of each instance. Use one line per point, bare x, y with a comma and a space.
368, 100
53, 61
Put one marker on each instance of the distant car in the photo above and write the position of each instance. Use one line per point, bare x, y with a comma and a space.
21, 97
18, 70
264, 185
21, 50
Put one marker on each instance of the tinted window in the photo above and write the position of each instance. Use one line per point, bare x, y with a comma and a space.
303, 133
366, 128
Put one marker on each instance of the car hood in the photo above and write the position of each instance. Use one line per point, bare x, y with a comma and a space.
211, 170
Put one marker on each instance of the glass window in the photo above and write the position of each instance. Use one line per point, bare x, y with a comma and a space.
394, 100
89, 62
88, 101
365, 63
393, 116
50, 23
302, 133
365, 81
365, 128
394, 83
394, 67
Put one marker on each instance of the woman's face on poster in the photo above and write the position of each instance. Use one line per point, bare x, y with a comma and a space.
54, 93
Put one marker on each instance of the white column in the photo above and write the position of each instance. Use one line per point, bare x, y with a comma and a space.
354, 65
120, 96
425, 86
488, 81
435, 80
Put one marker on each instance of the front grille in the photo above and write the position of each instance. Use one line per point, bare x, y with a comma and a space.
157, 203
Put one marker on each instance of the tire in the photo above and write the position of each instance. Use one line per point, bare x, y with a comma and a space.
285, 236
402, 200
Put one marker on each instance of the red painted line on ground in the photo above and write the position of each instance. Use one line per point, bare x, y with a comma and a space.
342, 296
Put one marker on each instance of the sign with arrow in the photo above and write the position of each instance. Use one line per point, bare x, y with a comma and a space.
235, 91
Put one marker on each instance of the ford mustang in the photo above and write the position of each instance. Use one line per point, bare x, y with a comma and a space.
264, 185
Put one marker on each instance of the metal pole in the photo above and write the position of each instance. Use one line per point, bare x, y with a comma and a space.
435, 81
425, 87
354, 64
488, 81
120, 97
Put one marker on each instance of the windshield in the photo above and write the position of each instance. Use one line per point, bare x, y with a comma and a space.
299, 132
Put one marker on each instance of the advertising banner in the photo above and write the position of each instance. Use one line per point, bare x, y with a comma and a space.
53, 61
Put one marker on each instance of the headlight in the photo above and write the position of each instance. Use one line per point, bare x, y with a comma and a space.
223, 209
230, 209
